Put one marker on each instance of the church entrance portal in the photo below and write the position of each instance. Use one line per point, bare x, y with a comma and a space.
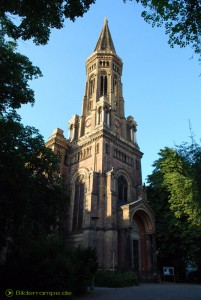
141, 243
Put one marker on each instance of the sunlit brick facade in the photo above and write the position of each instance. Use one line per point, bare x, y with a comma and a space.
101, 163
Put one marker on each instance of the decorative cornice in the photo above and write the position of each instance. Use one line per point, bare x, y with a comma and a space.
55, 141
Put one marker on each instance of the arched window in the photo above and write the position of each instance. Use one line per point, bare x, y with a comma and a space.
78, 204
99, 117
91, 85
122, 189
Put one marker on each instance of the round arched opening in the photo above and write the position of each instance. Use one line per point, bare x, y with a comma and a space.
142, 242
122, 189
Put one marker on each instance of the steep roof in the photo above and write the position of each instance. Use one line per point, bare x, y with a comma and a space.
105, 42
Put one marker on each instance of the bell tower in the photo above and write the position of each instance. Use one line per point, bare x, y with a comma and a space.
101, 162
103, 103
103, 86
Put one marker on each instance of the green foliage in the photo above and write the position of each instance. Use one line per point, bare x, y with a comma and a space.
34, 19
180, 169
32, 196
16, 72
33, 202
84, 268
29, 19
107, 278
181, 18
48, 265
175, 196
33, 199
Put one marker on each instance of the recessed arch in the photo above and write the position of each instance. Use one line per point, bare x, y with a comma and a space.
145, 217
84, 172
125, 174
122, 188
141, 236
79, 183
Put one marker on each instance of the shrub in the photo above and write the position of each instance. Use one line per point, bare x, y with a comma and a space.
107, 278
49, 265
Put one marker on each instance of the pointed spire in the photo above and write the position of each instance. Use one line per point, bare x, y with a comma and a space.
105, 42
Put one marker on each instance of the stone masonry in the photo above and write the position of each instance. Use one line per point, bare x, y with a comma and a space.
101, 164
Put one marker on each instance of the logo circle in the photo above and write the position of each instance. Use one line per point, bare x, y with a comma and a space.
9, 293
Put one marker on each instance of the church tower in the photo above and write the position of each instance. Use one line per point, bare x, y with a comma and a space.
101, 163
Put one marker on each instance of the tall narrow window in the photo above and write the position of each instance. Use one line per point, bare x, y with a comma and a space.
89, 105
71, 132
115, 87
122, 189
97, 148
78, 204
99, 116
107, 117
103, 85
91, 86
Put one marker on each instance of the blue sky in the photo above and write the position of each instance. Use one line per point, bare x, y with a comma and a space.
161, 86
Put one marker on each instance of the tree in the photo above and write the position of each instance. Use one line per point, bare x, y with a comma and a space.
32, 196
180, 169
34, 19
182, 20
29, 19
33, 252
174, 194
49, 265
16, 72
33, 199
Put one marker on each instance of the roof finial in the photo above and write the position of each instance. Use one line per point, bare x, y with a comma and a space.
105, 19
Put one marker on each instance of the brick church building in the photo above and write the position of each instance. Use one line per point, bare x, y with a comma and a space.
101, 163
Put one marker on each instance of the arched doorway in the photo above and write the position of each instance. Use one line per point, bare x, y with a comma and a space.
142, 243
